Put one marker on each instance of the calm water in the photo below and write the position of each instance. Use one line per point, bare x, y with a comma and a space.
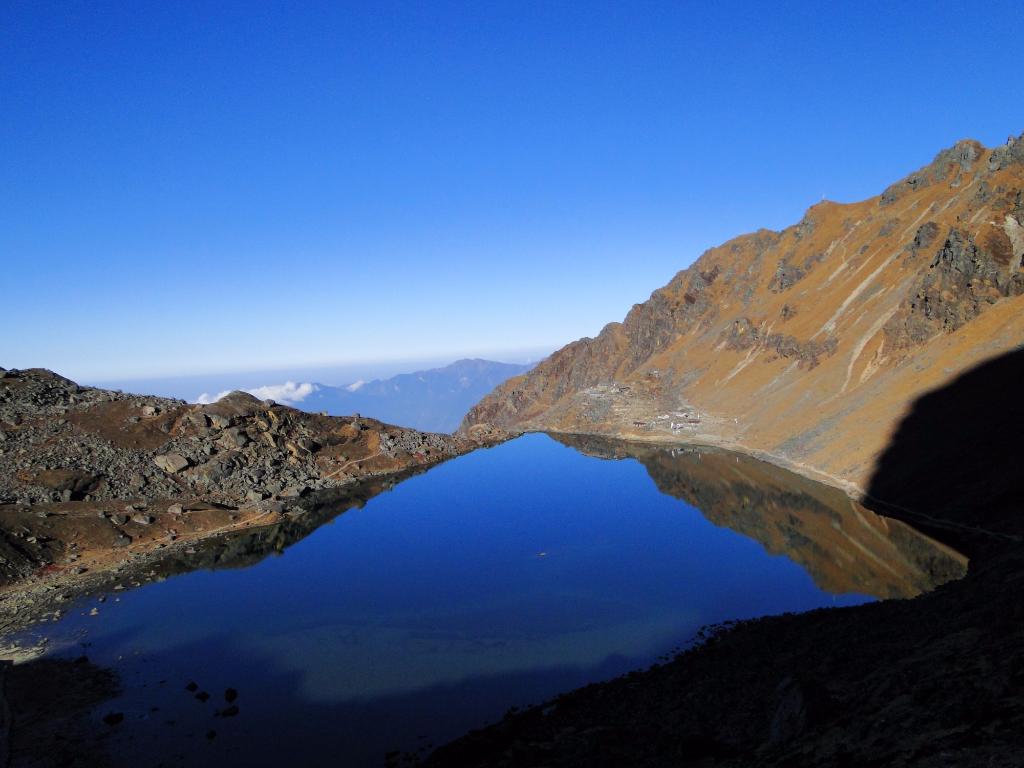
497, 579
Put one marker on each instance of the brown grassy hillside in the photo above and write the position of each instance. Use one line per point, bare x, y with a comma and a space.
806, 344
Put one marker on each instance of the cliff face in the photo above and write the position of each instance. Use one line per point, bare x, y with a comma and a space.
806, 344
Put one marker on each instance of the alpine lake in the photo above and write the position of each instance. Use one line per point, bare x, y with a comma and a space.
390, 619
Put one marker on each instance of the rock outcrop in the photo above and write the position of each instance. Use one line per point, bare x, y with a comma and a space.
806, 345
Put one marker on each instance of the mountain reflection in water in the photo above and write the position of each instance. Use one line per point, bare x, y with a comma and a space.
844, 546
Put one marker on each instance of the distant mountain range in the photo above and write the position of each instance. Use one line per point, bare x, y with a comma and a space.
433, 400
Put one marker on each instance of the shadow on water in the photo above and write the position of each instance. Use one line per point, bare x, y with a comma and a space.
61, 709
51, 702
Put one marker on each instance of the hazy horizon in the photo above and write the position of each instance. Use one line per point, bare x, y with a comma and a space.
192, 386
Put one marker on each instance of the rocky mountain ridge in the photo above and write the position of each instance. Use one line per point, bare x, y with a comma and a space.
806, 345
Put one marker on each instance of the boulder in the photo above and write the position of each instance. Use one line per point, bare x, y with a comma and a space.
294, 491
218, 422
212, 471
198, 419
233, 438
171, 462
76, 482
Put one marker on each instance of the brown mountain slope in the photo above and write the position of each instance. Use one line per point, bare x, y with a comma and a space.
806, 345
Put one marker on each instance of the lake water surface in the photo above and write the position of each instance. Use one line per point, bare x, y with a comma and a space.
495, 580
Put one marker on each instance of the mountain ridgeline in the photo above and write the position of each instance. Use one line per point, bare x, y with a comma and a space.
433, 400
806, 345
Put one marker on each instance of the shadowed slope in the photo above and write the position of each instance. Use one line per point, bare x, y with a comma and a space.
956, 460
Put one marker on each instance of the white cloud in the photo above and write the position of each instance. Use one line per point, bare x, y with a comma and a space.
355, 385
206, 398
288, 393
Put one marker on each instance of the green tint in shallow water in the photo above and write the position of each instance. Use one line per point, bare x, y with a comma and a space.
495, 580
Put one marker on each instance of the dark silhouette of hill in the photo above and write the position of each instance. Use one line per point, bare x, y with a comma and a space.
955, 465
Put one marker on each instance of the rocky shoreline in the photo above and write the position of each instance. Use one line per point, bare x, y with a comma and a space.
107, 572
98, 487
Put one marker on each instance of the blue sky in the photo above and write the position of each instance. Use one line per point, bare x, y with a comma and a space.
196, 187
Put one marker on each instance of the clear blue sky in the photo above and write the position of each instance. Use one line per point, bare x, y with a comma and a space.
189, 187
